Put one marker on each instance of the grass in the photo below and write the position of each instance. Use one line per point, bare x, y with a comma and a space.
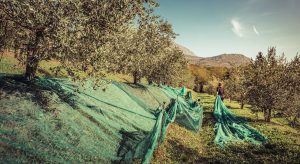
183, 146
10, 65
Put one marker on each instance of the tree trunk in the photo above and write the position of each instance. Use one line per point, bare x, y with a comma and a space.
242, 102
201, 88
256, 115
31, 67
32, 60
267, 115
136, 77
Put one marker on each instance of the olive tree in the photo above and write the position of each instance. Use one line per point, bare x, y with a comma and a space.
76, 32
234, 84
263, 82
170, 69
289, 101
147, 45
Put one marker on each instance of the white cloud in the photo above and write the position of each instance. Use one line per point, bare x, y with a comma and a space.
255, 30
237, 28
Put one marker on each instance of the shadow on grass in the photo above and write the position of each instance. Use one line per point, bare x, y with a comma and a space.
181, 153
139, 86
259, 121
45, 72
127, 81
208, 119
235, 153
41, 90
233, 108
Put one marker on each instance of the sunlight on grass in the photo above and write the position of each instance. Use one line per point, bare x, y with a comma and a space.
9, 64
182, 146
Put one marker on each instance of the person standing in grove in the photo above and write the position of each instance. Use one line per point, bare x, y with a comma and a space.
220, 91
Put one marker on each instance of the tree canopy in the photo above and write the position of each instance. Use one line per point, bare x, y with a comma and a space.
269, 84
90, 36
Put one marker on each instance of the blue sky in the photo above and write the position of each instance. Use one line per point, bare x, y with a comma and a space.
213, 27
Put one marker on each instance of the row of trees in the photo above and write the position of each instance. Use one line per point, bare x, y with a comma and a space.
123, 36
206, 78
270, 84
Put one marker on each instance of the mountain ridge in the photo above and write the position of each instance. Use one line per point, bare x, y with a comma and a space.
223, 60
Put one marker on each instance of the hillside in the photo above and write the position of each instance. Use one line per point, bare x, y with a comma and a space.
223, 60
55, 120
193, 59
187, 52
40, 124
183, 146
48, 123
39, 128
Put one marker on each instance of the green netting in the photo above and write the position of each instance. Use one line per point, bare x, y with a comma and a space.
230, 128
57, 120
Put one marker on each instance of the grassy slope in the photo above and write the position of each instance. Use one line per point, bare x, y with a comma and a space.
183, 146
10, 65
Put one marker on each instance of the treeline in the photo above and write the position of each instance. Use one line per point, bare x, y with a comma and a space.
270, 84
206, 79
94, 37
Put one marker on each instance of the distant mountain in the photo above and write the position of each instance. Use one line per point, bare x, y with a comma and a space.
193, 59
190, 55
187, 52
224, 60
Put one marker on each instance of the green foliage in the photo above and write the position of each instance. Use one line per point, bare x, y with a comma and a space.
171, 69
77, 33
92, 37
263, 78
149, 52
269, 84
218, 72
202, 76
289, 100
234, 85
207, 78
211, 87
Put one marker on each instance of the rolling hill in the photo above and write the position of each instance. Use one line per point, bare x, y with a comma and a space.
48, 123
223, 60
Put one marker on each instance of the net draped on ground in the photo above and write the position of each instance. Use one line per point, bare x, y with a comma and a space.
56, 120
230, 128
